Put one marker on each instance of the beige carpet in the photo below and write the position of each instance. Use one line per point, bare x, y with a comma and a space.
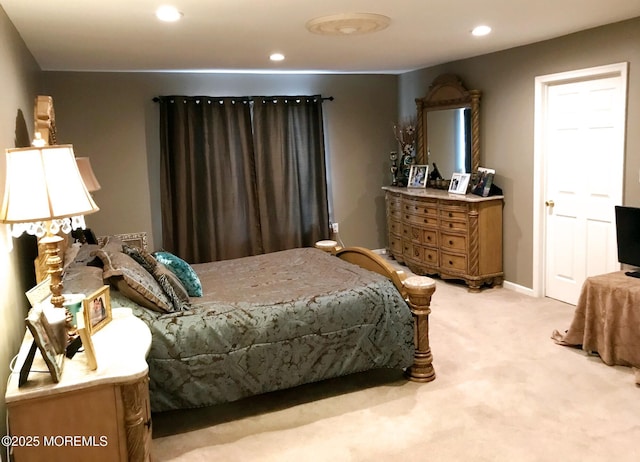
503, 392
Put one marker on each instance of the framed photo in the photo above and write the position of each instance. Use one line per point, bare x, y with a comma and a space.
40, 292
87, 343
484, 180
418, 176
41, 331
459, 183
97, 310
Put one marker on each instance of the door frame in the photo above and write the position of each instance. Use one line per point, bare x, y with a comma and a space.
542, 84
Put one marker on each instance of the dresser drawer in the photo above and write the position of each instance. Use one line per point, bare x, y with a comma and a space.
446, 225
419, 254
423, 236
453, 241
395, 227
456, 212
394, 202
395, 245
454, 262
421, 220
420, 207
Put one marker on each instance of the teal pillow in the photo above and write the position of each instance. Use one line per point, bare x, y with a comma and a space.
183, 270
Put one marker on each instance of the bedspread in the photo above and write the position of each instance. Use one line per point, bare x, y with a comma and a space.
271, 322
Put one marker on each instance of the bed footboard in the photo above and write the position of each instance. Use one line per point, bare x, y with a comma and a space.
417, 290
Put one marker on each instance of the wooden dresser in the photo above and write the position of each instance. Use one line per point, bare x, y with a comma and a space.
454, 236
101, 415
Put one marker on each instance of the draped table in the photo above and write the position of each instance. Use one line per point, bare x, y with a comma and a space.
607, 320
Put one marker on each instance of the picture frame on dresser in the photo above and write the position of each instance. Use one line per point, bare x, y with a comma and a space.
97, 310
418, 176
459, 183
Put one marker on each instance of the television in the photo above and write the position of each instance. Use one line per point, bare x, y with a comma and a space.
628, 234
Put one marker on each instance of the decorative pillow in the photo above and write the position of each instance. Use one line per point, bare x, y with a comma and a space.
183, 270
81, 255
80, 279
112, 244
70, 254
169, 282
134, 281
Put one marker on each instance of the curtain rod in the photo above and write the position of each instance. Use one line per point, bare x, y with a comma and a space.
157, 99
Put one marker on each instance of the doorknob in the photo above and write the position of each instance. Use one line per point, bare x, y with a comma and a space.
550, 203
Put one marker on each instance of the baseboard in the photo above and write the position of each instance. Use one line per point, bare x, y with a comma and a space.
518, 288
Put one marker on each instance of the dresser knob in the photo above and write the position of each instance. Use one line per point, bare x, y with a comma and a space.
450, 263
450, 225
426, 221
450, 242
450, 214
428, 238
429, 257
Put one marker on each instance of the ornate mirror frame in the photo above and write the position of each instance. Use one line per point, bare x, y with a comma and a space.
448, 92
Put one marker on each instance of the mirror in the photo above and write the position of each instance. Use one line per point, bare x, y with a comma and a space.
449, 127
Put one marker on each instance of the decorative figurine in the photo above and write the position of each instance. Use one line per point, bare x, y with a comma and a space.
394, 168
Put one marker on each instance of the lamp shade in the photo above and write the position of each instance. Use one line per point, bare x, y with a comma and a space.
90, 180
44, 183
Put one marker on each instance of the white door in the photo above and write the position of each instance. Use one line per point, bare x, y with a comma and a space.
583, 149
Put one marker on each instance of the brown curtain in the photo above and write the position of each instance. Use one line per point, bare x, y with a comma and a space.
290, 171
208, 184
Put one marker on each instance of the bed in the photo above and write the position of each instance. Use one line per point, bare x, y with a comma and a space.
264, 323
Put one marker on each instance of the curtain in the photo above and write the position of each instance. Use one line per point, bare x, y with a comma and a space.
208, 185
232, 188
290, 171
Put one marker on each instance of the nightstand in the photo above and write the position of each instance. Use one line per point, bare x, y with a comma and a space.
101, 415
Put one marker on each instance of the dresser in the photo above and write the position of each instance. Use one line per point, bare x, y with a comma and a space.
434, 232
101, 415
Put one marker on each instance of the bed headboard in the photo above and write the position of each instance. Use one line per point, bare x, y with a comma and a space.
133, 239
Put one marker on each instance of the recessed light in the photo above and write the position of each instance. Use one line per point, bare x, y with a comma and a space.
276, 57
168, 13
480, 31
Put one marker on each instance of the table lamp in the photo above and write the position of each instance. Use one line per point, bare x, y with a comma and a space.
88, 177
45, 194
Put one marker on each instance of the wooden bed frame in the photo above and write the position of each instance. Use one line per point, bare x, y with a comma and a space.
417, 290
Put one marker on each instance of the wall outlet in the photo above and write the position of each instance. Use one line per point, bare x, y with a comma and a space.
334, 228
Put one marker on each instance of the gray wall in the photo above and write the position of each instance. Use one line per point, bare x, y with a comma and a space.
18, 74
111, 118
506, 80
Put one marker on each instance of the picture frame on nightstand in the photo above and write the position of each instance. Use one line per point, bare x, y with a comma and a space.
97, 310
40, 292
87, 343
41, 331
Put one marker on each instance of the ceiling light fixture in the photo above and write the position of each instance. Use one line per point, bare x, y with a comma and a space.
348, 24
168, 13
480, 31
276, 57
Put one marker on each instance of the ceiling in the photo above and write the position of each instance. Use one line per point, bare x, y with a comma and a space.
239, 35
